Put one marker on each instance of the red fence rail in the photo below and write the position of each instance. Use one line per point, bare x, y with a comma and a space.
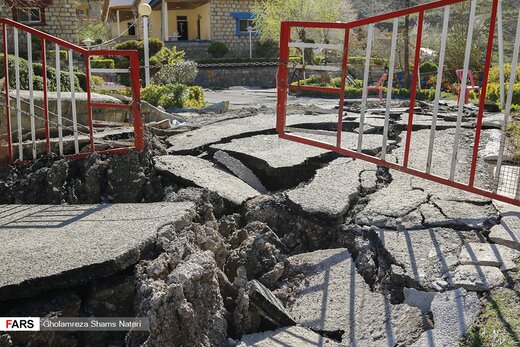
81, 54
284, 86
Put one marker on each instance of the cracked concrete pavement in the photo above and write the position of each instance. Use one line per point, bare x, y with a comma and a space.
53, 246
356, 254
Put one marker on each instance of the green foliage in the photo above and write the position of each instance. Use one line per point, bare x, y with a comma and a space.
499, 323
96, 81
64, 55
266, 49
94, 32
494, 74
173, 95
82, 78
493, 92
37, 77
218, 49
195, 97
167, 57
100, 63
125, 91
183, 72
373, 61
428, 66
236, 60
352, 91
154, 46
269, 15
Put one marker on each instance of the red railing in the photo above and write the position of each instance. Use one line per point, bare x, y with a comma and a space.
82, 54
284, 86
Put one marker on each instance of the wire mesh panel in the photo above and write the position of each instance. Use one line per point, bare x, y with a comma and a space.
441, 141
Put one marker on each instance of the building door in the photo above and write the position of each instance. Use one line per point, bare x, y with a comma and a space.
131, 29
182, 27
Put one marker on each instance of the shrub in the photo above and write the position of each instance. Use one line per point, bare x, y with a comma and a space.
218, 49
494, 74
428, 66
152, 93
154, 46
373, 61
96, 81
195, 97
266, 49
356, 92
182, 72
64, 55
167, 56
125, 92
103, 63
82, 78
493, 92
173, 95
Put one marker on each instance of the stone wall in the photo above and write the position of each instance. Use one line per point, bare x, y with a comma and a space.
60, 21
225, 77
223, 25
195, 50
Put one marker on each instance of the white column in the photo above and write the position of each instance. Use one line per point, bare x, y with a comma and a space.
164, 19
118, 23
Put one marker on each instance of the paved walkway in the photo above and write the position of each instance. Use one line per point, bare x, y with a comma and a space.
52, 246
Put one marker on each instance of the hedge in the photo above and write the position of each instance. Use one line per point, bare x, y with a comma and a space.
103, 63
37, 77
173, 95
154, 46
64, 55
493, 92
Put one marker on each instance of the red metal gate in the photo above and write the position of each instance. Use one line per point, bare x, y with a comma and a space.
505, 184
58, 119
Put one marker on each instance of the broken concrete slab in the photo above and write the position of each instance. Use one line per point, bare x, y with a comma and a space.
53, 246
275, 152
204, 174
476, 278
507, 233
457, 213
372, 143
238, 127
487, 254
425, 255
270, 305
330, 296
442, 153
333, 189
420, 299
453, 313
503, 234
385, 211
284, 337
240, 170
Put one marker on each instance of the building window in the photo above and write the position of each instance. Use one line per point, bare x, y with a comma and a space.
31, 15
243, 20
131, 29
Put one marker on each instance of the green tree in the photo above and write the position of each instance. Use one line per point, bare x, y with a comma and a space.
96, 32
269, 15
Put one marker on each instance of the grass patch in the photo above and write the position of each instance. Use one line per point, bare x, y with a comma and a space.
499, 322
513, 131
